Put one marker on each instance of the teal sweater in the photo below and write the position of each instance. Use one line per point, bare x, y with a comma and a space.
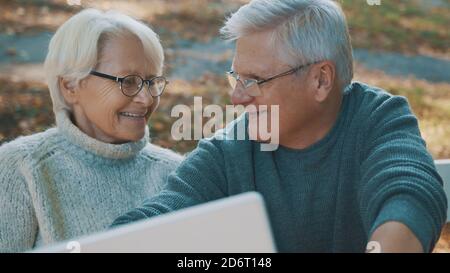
371, 167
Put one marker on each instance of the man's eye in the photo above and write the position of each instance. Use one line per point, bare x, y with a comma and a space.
250, 82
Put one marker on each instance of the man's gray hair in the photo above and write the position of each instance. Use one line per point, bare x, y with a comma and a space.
304, 31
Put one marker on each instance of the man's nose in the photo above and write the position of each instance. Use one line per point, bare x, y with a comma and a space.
240, 97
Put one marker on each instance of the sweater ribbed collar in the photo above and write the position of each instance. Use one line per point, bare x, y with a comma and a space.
97, 147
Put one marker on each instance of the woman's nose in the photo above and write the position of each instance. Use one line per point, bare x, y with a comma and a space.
144, 97
238, 96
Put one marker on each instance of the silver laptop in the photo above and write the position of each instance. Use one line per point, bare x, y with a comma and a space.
234, 224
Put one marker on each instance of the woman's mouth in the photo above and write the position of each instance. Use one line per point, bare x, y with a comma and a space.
133, 115
139, 118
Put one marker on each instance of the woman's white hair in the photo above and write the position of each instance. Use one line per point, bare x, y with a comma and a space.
75, 48
304, 31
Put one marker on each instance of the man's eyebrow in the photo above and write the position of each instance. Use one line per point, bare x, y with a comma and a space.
246, 74
250, 75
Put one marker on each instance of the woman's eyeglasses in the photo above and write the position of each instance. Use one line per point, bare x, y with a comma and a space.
131, 85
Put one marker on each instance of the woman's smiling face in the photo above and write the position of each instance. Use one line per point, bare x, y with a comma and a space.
100, 109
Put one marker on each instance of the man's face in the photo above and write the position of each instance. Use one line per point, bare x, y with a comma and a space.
256, 58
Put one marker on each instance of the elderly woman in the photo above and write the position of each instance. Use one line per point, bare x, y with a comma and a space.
104, 76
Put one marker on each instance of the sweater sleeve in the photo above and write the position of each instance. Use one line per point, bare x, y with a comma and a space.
18, 224
400, 181
200, 178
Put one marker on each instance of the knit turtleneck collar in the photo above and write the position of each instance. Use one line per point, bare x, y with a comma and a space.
114, 151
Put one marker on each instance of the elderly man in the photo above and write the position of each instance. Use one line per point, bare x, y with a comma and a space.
351, 166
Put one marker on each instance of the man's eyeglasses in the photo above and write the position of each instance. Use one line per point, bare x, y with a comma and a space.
251, 86
131, 85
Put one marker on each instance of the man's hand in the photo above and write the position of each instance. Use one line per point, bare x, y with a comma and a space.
394, 237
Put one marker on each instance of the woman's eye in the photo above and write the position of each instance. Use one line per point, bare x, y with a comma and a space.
131, 81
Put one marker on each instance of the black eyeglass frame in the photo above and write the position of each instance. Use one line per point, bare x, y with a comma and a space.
120, 81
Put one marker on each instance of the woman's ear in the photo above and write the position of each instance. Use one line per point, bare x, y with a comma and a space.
325, 74
68, 90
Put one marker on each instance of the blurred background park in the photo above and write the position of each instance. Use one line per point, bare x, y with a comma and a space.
399, 45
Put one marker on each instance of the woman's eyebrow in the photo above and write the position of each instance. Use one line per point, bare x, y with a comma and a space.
127, 72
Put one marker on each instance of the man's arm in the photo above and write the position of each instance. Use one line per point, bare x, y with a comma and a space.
200, 178
401, 198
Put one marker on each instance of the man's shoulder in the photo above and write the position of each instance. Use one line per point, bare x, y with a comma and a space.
368, 95
371, 103
379, 116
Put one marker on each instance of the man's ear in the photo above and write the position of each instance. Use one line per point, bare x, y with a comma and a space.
68, 90
324, 76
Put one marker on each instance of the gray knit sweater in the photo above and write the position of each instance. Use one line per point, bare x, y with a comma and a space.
61, 184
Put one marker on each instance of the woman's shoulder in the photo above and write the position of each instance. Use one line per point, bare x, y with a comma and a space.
162, 155
24, 146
